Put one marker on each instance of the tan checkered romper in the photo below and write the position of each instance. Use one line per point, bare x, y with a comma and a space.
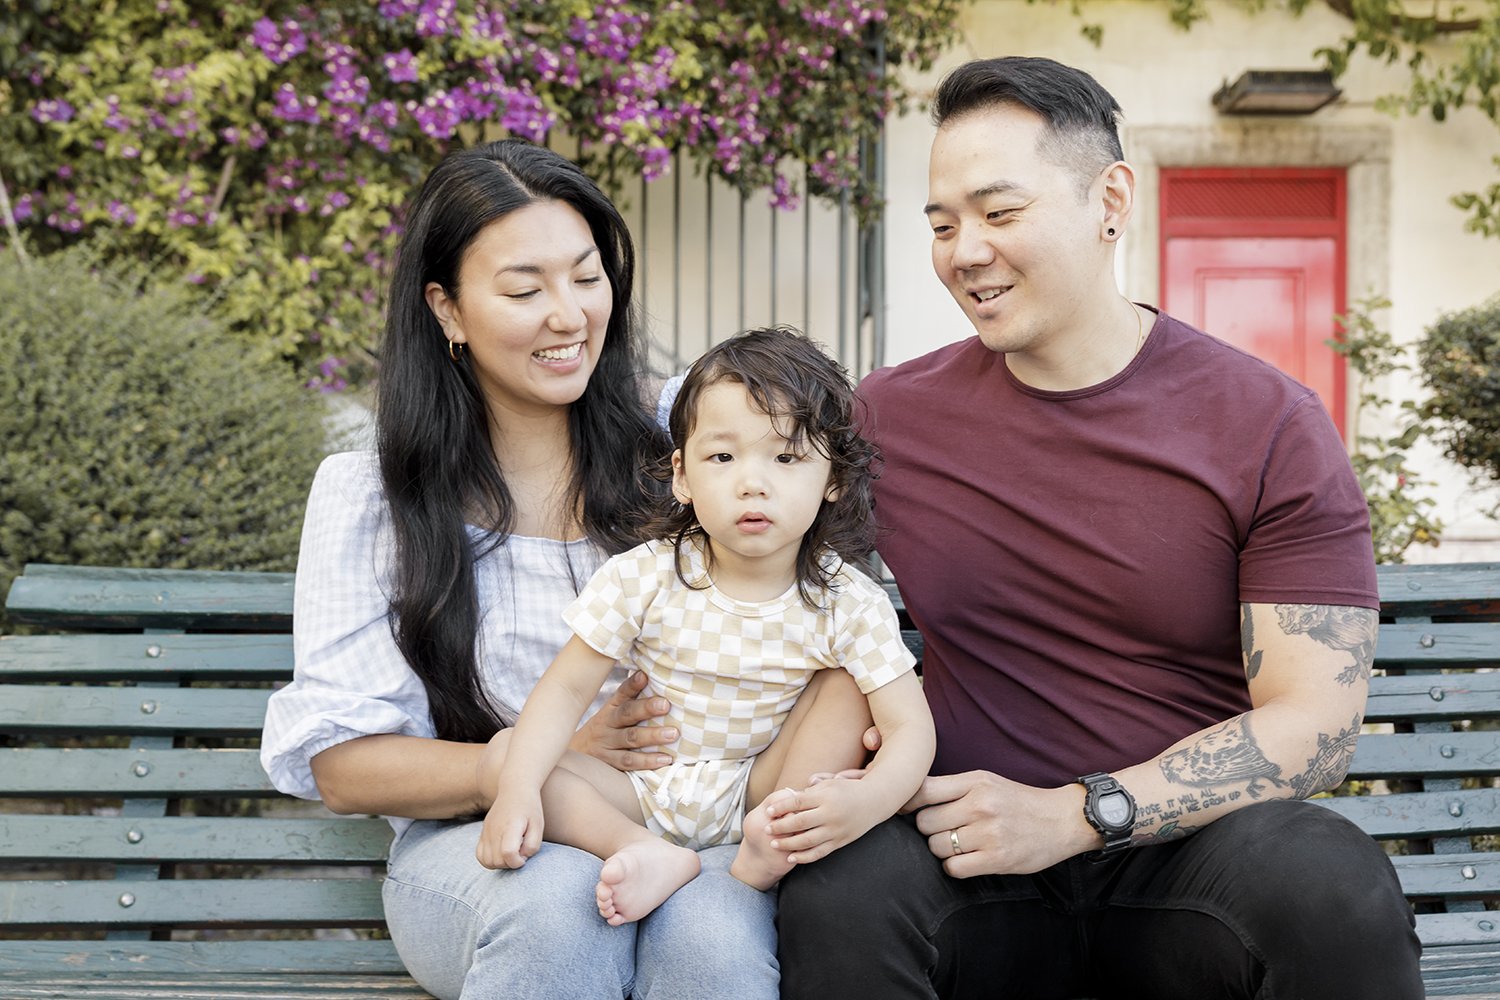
731, 670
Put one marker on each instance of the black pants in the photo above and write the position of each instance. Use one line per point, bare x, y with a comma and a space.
1278, 901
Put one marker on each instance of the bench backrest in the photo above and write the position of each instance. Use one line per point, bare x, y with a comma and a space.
128, 754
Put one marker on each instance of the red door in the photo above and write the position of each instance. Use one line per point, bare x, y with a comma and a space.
1256, 258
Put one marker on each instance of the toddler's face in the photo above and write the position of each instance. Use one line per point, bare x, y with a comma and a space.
752, 489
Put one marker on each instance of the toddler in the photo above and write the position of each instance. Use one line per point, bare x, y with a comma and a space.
749, 591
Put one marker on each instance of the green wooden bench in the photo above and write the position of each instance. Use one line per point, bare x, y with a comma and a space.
125, 737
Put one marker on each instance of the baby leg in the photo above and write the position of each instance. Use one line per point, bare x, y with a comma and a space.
824, 732
640, 869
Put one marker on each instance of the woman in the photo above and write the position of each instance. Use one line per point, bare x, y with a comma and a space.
511, 428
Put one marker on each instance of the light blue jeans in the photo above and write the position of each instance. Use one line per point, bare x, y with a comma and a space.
535, 933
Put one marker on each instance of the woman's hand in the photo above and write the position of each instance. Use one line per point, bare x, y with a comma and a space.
612, 733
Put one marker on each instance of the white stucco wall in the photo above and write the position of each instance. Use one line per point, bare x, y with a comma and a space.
1407, 242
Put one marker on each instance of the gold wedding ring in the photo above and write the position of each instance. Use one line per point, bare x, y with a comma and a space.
953, 839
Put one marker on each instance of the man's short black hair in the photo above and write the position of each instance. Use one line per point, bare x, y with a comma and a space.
1082, 117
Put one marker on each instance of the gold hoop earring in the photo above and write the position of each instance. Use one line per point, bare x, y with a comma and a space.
455, 350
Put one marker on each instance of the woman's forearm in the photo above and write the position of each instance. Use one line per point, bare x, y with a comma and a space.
392, 775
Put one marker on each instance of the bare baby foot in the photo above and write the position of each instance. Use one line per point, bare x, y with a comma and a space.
757, 863
640, 876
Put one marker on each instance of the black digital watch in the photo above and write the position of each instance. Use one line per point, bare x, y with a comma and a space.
1110, 809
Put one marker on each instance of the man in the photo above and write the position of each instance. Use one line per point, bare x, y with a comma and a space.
1143, 570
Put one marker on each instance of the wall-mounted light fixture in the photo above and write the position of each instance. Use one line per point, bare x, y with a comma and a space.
1276, 92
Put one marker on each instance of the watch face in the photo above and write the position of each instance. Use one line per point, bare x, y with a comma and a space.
1113, 809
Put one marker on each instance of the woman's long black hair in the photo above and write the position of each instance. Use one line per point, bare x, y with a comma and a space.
432, 424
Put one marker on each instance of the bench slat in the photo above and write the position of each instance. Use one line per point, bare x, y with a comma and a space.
50, 772
1450, 644
242, 986
32, 708
266, 902
325, 956
193, 838
206, 600
1482, 928
1434, 590
215, 657
1420, 814
82, 596
1433, 696
1414, 755
1462, 645
1454, 875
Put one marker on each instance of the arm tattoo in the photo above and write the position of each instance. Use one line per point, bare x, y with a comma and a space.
1337, 627
1329, 763
1247, 642
1229, 753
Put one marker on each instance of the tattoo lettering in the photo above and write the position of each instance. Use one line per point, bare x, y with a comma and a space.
1329, 764
1247, 643
1167, 817
1337, 627
1228, 753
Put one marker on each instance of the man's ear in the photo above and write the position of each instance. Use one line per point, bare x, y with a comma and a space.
443, 309
679, 480
1117, 199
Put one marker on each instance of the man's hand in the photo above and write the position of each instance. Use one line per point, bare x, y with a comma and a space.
612, 733
1003, 827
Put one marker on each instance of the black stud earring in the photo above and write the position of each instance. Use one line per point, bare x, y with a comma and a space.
1110, 231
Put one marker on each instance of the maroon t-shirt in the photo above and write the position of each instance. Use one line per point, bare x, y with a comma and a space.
1076, 560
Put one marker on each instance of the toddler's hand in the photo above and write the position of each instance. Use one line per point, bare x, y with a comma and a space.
813, 823
512, 830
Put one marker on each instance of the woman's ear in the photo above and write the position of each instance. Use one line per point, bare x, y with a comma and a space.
679, 480
834, 492
443, 310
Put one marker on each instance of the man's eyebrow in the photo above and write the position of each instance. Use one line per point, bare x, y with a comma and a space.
536, 269
997, 187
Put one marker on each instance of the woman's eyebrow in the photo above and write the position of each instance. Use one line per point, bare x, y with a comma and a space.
537, 268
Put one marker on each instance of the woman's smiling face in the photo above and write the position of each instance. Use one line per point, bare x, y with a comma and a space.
532, 307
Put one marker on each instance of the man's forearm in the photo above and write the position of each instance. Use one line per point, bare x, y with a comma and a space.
1261, 755
1308, 668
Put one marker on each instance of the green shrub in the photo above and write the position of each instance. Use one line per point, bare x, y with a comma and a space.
137, 433
1460, 358
1400, 509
